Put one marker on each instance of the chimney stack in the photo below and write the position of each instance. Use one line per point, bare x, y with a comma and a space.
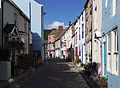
69, 23
53, 29
60, 27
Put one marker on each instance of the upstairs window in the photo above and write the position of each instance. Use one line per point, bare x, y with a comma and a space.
109, 42
82, 30
79, 33
115, 40
15, 17
79, 51
114, 7
25, 25
82, 18
106, 2
76, 38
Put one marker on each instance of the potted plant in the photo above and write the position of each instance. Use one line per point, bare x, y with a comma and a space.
102, 83
77, 61
90, 56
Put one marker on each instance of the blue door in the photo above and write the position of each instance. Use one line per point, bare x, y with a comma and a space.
105, 58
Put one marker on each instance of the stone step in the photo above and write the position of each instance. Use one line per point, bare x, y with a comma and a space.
4, 84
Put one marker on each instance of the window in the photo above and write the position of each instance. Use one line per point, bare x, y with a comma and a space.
79, 51
109, 42
112, 52
109, 58
76, 38
49, 38
106, 2
15, 17
82, 18
115, 40
79, 33
82, 30
96, 8
25, 25
86, 18
114, 7
115, 54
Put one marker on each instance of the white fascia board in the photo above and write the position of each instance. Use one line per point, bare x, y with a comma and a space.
0, 3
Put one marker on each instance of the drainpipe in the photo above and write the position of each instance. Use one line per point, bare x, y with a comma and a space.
91, 31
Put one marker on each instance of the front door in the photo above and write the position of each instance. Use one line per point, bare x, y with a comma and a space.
105, 58
76, 51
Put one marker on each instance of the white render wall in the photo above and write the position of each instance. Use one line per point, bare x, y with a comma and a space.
80, 42
96, 26
63, 47
69, 37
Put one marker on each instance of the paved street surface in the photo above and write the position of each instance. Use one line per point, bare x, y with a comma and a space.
54, 74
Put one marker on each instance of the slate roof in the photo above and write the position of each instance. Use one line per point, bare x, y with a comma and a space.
62, 33
20, 11
8, 28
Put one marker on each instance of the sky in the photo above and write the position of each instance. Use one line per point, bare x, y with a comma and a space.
60, 12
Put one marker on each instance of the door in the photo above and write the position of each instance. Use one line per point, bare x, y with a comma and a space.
82, 53
76, 51
105, 58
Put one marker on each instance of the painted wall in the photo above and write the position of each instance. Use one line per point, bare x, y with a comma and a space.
109, 22
96, 27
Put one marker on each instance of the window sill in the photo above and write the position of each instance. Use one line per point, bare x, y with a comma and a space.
109, 53
115, 52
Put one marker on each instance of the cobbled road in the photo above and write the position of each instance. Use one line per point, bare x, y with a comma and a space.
55, 73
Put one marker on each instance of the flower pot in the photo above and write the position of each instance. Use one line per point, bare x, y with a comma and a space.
78, 64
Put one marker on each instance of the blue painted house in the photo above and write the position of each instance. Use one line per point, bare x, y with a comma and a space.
110, 42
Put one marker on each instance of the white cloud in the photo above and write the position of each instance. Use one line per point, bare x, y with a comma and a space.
55, 24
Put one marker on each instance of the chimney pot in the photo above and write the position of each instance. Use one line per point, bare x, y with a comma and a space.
60, 27
69, 23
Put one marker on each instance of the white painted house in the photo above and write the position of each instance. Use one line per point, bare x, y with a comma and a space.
80, 37
63, 44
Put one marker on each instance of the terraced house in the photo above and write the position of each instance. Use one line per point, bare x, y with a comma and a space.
80, 37
15, 25
111, 43
88, 29
96, 34
58, 42
15, 34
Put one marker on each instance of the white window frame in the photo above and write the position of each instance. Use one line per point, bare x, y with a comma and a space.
114, 7
0, 3
115, 52
112, 56
108, 53
106, 3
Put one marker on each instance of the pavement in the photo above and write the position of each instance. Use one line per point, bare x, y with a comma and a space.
56, 73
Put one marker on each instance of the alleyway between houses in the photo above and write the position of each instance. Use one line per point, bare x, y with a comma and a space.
55, 73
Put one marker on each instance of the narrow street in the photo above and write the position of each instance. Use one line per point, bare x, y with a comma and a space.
54, 74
